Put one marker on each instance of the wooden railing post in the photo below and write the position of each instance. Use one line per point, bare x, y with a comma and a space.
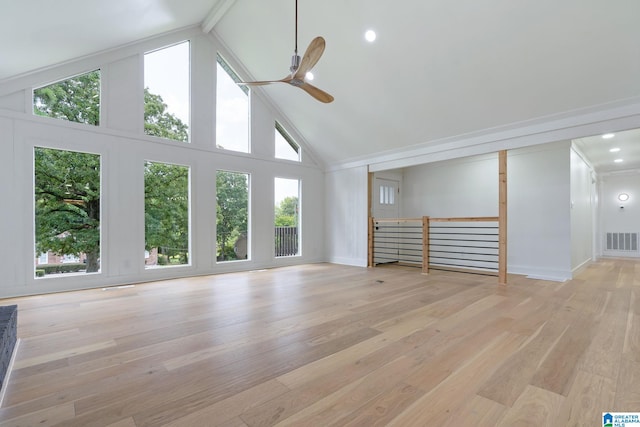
502, 218
425, 245
371, 222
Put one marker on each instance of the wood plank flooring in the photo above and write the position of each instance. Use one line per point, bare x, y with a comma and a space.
326, 345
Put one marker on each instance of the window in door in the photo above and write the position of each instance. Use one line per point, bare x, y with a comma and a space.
232, 216
166, 214
287, 217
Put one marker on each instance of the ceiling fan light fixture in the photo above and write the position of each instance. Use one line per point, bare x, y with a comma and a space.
309, 76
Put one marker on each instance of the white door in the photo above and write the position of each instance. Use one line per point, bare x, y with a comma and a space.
386, 198
386, 205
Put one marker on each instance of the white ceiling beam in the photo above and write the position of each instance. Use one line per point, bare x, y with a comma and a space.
215, 14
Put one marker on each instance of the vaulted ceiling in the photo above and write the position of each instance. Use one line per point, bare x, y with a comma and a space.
437, 70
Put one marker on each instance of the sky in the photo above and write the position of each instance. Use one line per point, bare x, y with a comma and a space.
166, 73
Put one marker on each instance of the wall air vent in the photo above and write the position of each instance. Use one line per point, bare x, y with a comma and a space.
622, 242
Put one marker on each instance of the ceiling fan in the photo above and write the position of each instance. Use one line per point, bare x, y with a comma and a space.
300, 68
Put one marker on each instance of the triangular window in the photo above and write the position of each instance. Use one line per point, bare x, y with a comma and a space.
286, 147
76, 99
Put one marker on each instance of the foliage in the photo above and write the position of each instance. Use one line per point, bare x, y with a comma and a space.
166, 190
59, 268
232, 195
286, 214
76, 99
159, 122
67, 186
67, 199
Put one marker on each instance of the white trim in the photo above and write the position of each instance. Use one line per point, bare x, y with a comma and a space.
7, 377
583, 157
579, 269
55, 72
355, 262
215, 14
541, 273
589, 121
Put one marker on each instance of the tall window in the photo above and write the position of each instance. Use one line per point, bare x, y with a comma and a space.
287, 217
67, 211
76, 99
232, 215
166, 92
166, 214
286, 147
232, 110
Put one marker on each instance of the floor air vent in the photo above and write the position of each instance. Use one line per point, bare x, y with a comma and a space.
622, 242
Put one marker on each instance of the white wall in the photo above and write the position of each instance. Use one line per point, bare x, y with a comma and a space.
466, 187
539, 221
614, 218
346, 220
582, 220
539, 236
124, 148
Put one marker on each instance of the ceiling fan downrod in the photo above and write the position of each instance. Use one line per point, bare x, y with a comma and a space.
295, 59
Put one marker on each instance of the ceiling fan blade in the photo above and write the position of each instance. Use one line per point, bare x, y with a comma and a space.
265, 82
318, 94
310, 58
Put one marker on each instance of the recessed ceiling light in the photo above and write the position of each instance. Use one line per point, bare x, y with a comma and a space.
608, 135
614, 150
623, 197
370, 36
618, 160
309, 75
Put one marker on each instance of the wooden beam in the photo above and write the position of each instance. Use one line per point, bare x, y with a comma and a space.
370, 245
370, 195
215, 14
466, 219
399, 220
502, 217
370, 217
425, 245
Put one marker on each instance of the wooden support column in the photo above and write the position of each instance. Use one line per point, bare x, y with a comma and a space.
370, 219
370, 250
502, 218
425, 245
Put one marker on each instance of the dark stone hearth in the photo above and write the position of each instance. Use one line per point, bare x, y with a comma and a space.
8, 337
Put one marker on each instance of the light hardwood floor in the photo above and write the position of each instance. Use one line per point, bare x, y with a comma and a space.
326, 345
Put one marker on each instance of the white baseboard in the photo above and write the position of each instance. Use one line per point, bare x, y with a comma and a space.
581, 267
355, 262
541, 273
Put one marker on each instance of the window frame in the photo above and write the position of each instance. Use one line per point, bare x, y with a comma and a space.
188, 103
247, 231
298, 218
224, 65
101, 226
292, 143
100, 97
189, 251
